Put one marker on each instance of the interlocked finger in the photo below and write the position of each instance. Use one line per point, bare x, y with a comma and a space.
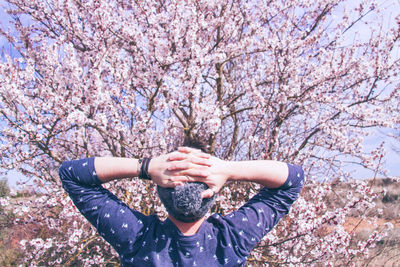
185, 149
179, 165
194, 151
176, 155
200, 172
200, 161
214, 191
210, 192
175, 181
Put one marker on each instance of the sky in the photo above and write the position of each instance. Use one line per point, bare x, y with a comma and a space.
390, 162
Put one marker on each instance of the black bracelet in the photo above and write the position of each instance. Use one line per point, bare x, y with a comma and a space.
144, 169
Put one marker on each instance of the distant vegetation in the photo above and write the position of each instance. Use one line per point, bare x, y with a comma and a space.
4, 188
386, 210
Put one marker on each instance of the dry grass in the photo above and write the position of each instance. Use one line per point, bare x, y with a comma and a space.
386, 253
10, 253
386, 210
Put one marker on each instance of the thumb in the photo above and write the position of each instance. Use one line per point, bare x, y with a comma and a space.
208, 193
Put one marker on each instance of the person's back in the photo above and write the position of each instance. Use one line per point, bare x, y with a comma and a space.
183, 241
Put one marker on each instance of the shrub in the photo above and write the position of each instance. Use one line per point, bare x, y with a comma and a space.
4, 188
388, 198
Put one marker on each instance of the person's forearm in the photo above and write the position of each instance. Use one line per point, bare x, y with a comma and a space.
269, 173
110, 168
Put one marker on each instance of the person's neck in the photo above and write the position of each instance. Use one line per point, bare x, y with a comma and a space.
187, 229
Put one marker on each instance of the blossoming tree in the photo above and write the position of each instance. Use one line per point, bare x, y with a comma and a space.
297, 80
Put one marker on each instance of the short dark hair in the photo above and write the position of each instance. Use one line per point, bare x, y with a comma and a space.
185, 203
195, 142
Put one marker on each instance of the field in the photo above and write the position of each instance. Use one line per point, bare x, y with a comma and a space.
387, 211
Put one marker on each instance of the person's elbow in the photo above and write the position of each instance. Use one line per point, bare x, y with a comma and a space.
64, 171
301, 178
298, 177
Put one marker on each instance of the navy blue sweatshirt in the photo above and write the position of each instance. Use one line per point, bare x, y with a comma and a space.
147, 241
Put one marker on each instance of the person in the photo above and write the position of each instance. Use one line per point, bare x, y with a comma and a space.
187, 183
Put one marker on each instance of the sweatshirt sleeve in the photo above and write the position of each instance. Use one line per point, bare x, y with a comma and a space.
116, 222
249, 224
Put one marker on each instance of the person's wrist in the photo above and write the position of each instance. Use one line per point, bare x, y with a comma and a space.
143, 166
151, 168
154, 165
138, 165
229, 171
